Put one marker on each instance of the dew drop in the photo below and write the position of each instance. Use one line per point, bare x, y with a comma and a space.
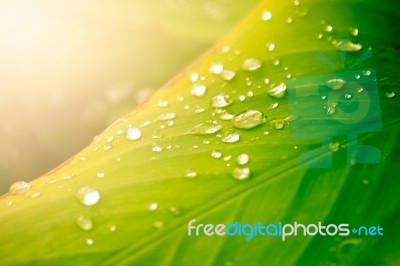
157, 148
166, 116
335, 84
216, 69
220, 100
133, 133
241, 173
278, 91
248, 119
84, 222
273, 106
89, 241
348, 46
19, 188
348, 95
153, 206
100, 175
227, 158
266, 15
270, 46
242, 98
198, 90
230, 137
228, 74
390, 94
216, 154
88, 196
251, 64
242, 159
190, 174
194, 77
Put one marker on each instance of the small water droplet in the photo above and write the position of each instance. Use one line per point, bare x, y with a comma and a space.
266, 15
220, 100
83, 158
242, 98
216, 69
88, 196
251, 64
266, 81
241, 173
228, 74
278, 91
225, 49
242, 159
158, 224
230, 137
275, 62
334, 146
226, 116
331, 109
390, 94
354, 31
227, 158
277, 124
348, 46
348, 95
190, 174
174, 210
198, 90
157, 148
166, 116
271, 46
84, 222
180, 98
216, 154
250, 94
365, 181
360, 90
248, 119
19, 188
273, 106
162, 103
328, 28
145, 124
194, 77
107, 147
133, 133
266, 133
100, 175
335, 84
35, 194
205, 128
113, 228
89, 241
9, 203
289, 20
367, 73
153, 206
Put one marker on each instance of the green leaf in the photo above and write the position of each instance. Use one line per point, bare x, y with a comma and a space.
184, 164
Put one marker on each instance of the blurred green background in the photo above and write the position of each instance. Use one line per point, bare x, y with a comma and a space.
70, 68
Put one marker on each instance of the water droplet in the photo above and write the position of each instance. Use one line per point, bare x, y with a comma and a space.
266, 81
9, 203
251, 64
158, 224
328, 28
89, 241
277, 124
357, 76
107, 147
242, 98
354, 31
334, 146
335, 84
194, 77
348, 46
35, 194
230, 137
275, 62
266, 133
157, 148
84, 222
270, 46
216, 69
228, 74
133, 133
241, 173
162, 103
360, 90
100, 175
174, 210
226, 116
180, 98
242, 159
278, 91
205, 128
166, 116
225, 49
190, 174
153, 206
390, 94
289, 20
88, 196
266, 15
216, 154
198, 90
273, 106
113, 228
367, 73
83, 158
220, 100
19, 188
331, 109
250, 94
248, 119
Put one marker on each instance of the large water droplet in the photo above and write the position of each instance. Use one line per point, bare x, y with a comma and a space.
228, 74
84, 222
248, 119
278, 91
241, 173
229, 137
243, 159
205, 128
335, 84
19, 188
88, 196
133, 133
220, 100
198, 90
348, 46
166, 116
251, 64
216, 69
